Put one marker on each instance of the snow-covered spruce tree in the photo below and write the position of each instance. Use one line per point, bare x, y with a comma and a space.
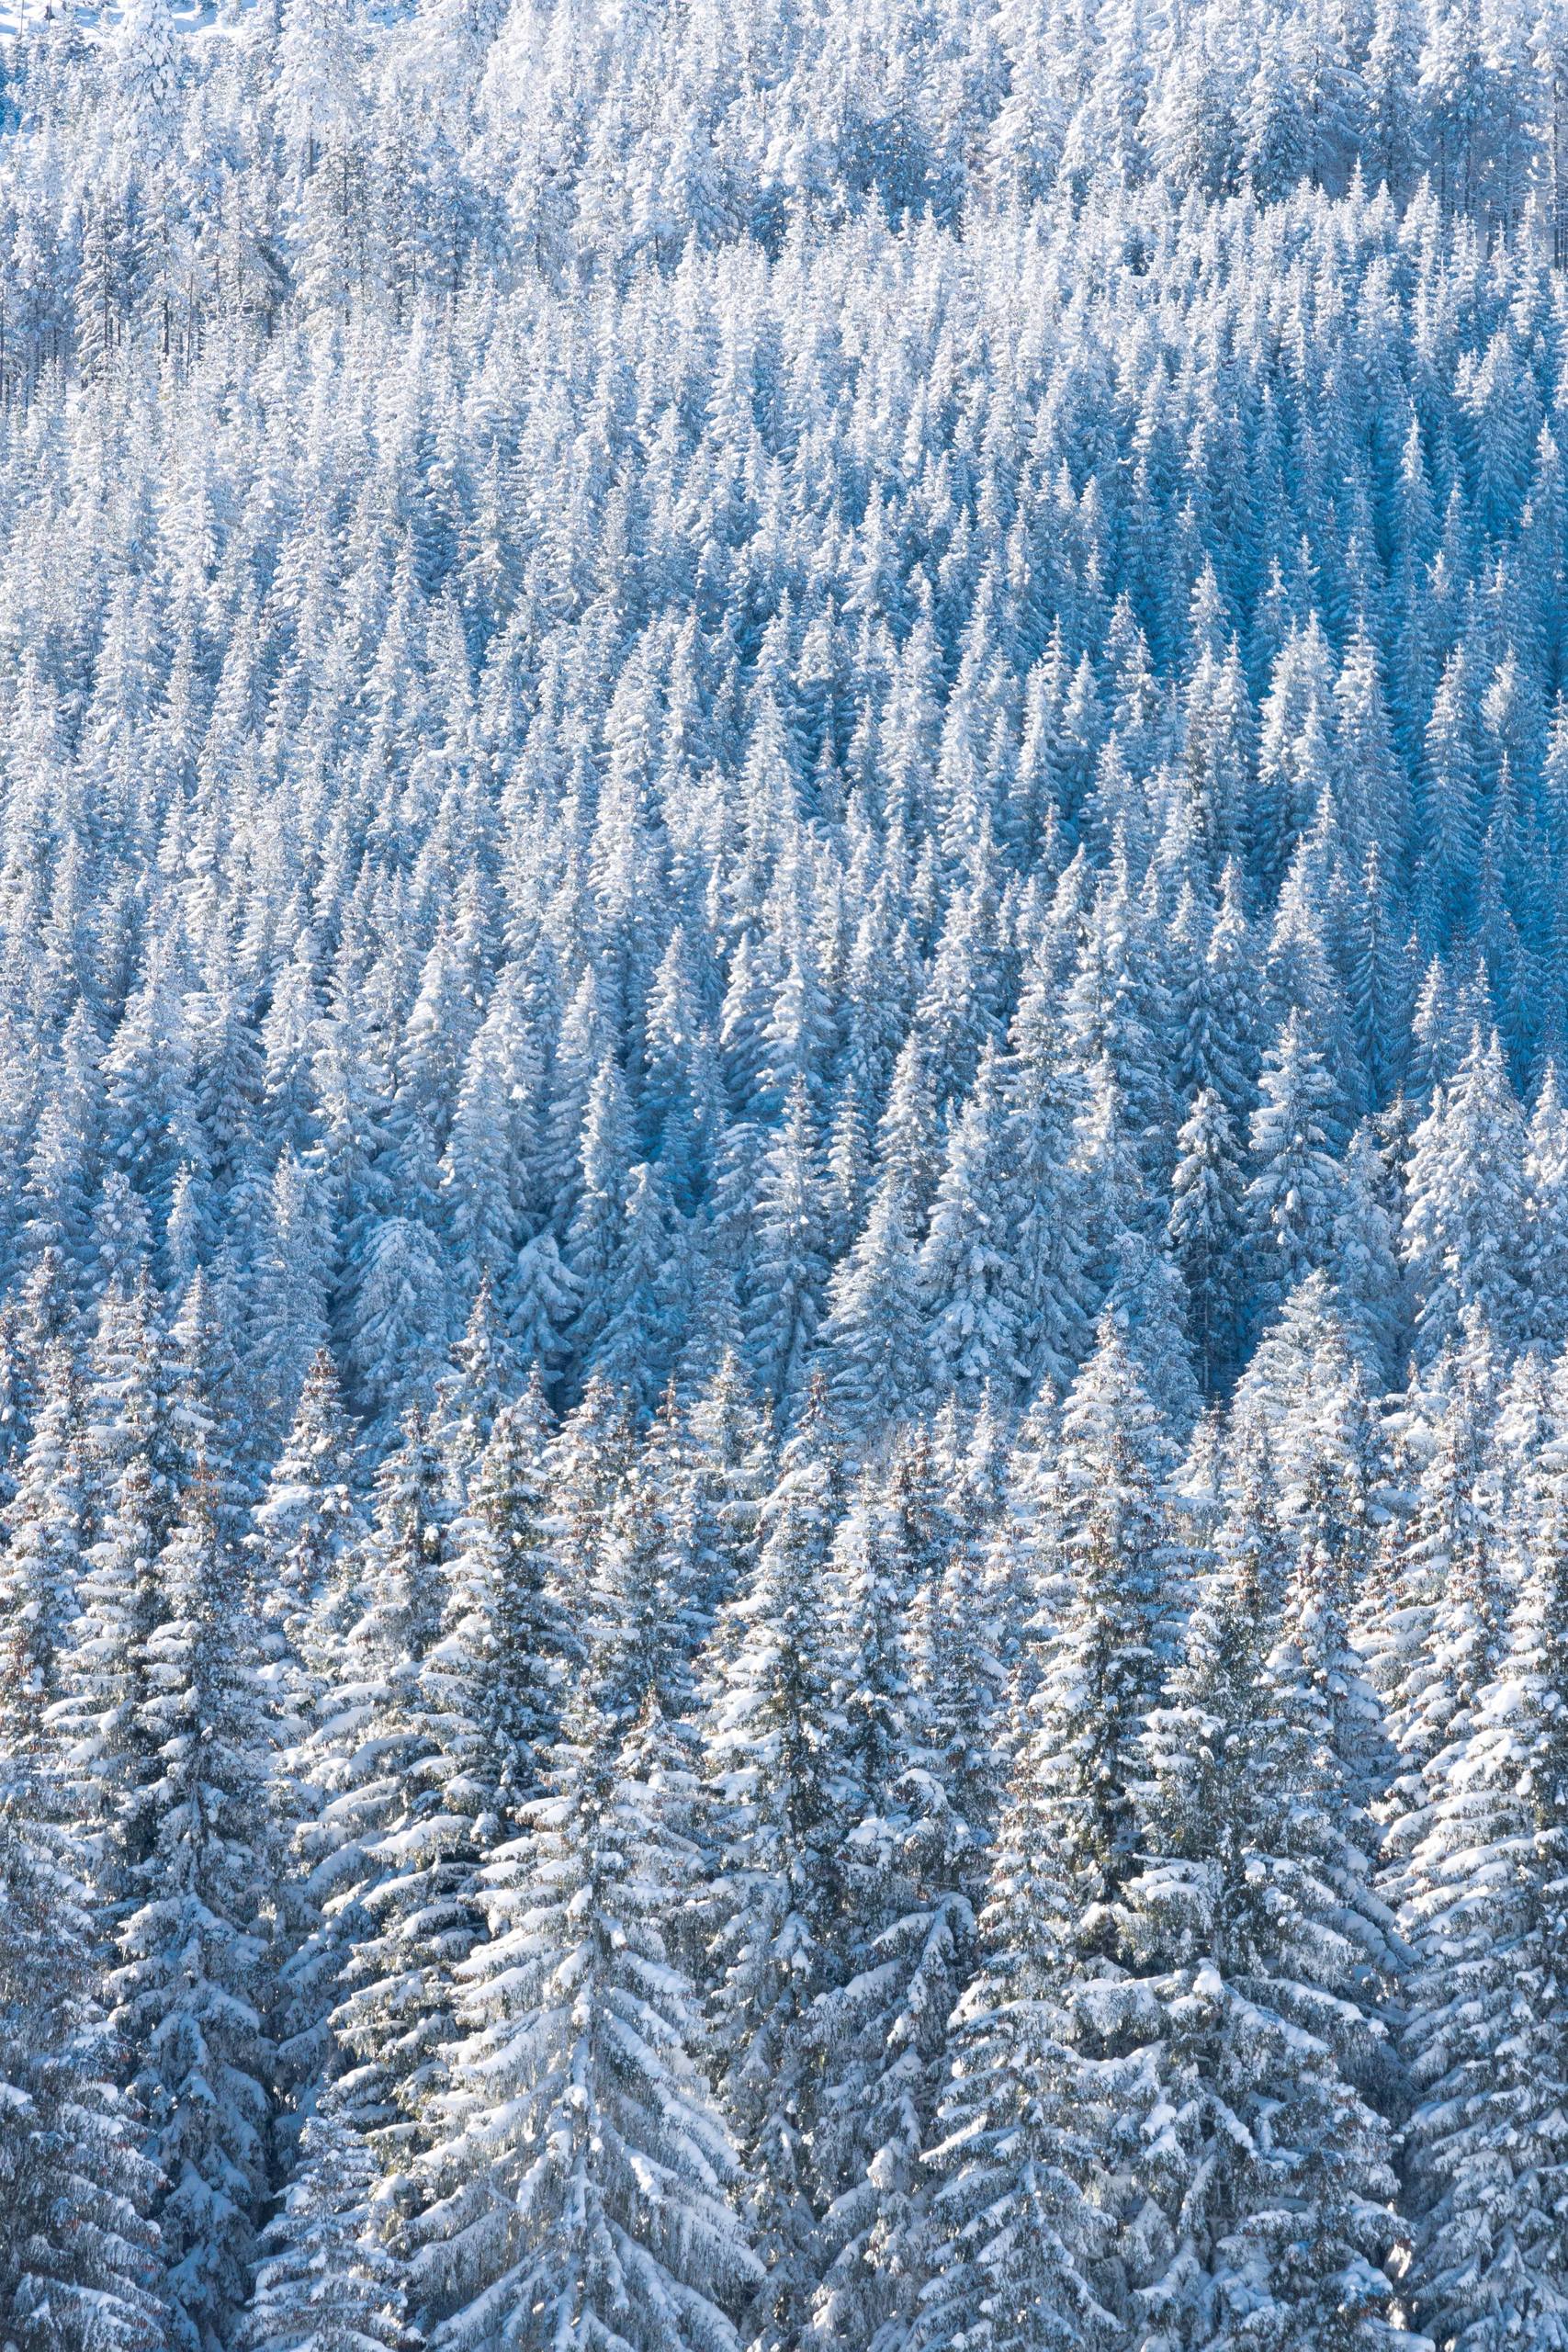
778, 1792
1148, 1302
481, 1715
209, 1420
1366, 1233
401, 1318
103, 1739
1053, 1244
1292, 1196
588, 1458
907, 1928
578, 2189
1436, 1624
189, 1989
1112, 1619
724, 1474
636, 1348
1465, 1189
303, 1542
42, 1566
79, 2265
1015, 2220
358, 1755
475, 1723
484, 1373
1206, 1227
958, 1662
302, 1555
1302, 1397
975, 1332
545, 1301
294, 1285
595, 1235
787, 1280
1009, 1584
1544, 1269
505, 1637
1483, 1896
1252, 2177
873, 1334
1320, 1672
647, 1601
1014, 2233
325, 2281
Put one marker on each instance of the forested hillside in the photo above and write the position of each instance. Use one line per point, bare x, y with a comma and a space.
783, 1177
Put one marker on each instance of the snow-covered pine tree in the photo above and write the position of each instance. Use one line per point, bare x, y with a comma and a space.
506, 1636
646, 1601
1053, 1244
1320, 1673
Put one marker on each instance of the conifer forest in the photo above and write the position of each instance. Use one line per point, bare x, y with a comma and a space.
783, 1176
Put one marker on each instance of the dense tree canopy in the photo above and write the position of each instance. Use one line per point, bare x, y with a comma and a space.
784, 1189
